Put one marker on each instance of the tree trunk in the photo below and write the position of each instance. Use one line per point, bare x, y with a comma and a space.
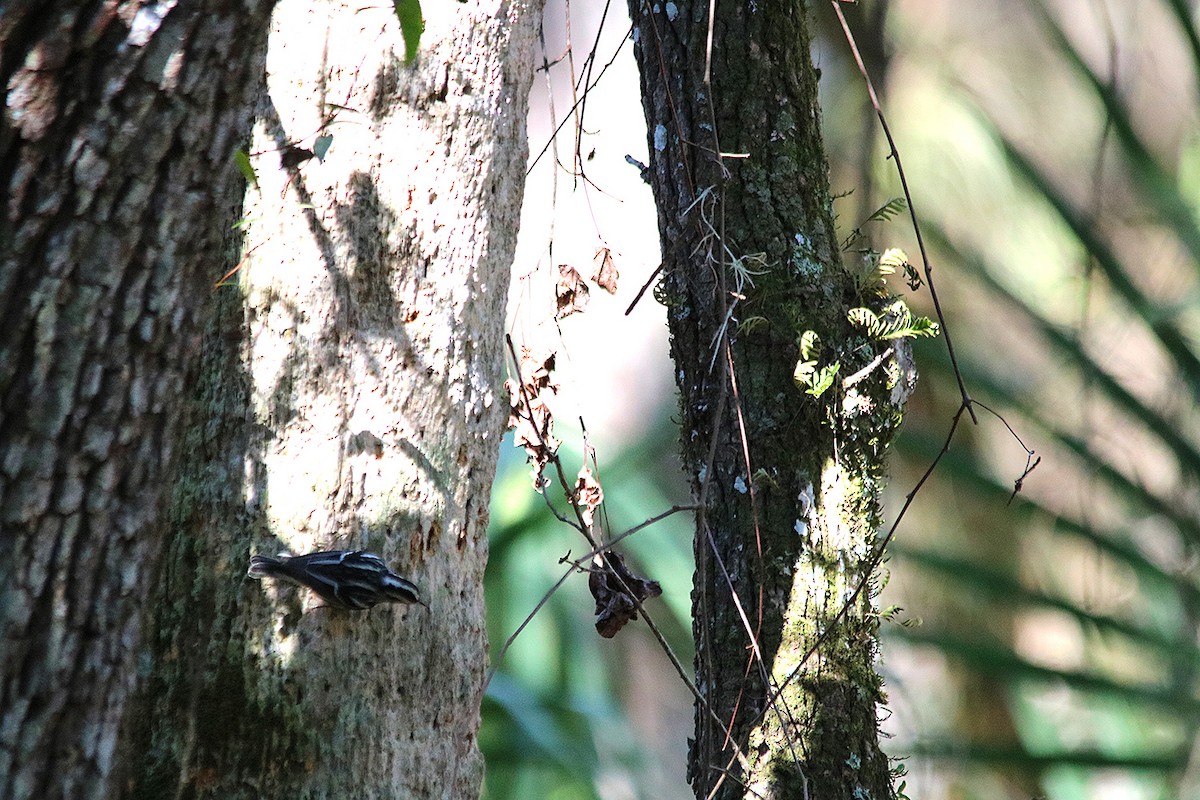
119, 185
788, 480
351, 399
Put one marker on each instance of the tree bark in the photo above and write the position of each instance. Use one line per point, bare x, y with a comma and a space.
788, 480
119, 185
351, 398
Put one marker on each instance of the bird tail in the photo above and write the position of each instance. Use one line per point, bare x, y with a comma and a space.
263, 566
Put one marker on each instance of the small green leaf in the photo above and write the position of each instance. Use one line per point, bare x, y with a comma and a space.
803, 374
321, 146
917, 327
411, 26
817, 380
892, 259
824, 379
864, 318
897, 322
243, 163
810, 344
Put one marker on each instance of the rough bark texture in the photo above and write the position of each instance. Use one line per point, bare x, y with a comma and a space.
118, 187
351, 398
750, 252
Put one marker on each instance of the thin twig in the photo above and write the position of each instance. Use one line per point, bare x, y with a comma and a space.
576, 565
1032, 459
887, 132
649, 282
647, 523
508, 642
865, 371
558, 127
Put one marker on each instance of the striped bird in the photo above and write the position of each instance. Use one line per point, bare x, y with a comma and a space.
351, 579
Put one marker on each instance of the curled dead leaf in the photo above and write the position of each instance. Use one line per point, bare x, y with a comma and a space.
572, 292
529, 416
615, 588
605, 274
587, 495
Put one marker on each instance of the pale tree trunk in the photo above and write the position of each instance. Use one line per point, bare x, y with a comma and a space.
789, 481
351, 399
118, 185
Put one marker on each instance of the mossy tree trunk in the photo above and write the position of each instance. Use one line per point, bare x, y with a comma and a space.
789, 480
351, 398
118, 188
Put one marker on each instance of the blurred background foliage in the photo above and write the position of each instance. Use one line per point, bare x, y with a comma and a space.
1050, 643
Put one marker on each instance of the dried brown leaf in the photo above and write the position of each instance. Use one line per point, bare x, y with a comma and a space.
587, 495
615, 588
528, 415
572, 292
605, 274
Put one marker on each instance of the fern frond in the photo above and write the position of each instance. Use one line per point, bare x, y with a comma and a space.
893, 207
897, 322
810, 345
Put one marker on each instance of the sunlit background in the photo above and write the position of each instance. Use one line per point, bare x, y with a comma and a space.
1043, 647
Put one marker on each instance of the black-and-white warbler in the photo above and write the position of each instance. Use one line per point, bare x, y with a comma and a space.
351, 579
